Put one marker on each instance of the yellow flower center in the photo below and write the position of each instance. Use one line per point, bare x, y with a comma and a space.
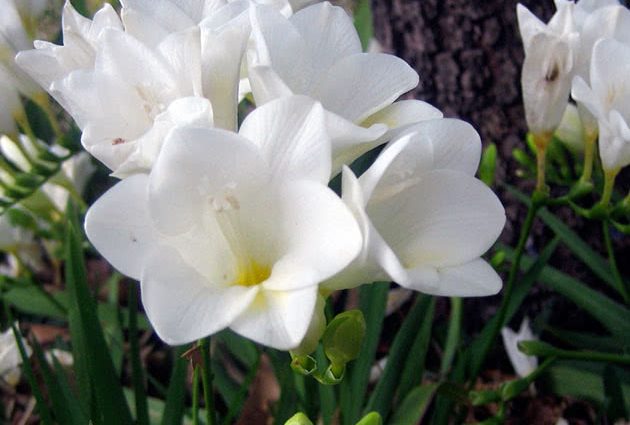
251, 274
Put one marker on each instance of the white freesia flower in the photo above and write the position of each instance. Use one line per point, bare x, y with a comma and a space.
317, 52
425, 218
550, 58
523, 365
232, 230
10, 358
602, 19
608, 99
127, 88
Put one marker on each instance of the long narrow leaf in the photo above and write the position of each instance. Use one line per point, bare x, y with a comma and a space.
139, 385
383, 395
373, 300
414, 366
85, 325
415, 405
175, 396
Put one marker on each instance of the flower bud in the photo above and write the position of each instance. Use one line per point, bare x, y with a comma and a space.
343, 337
298, 419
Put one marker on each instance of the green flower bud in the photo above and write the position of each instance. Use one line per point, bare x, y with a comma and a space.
372, 418
343, 337
298, 419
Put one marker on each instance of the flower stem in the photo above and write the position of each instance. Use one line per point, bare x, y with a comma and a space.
542, 142
453, 335
535, 204
195, 396
589, 155
621, 286
206, 379
609, 184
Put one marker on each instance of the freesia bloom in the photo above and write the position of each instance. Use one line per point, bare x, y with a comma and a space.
232, 230
523, 365
550, 57
425, 218
608, 99
570, 130
596, 20
317, 52
127, 88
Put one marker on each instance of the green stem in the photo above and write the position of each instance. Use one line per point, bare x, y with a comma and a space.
542, 349
142, 410
589, 155
621, 286
195, 396
453, 335
609, 184
542, 142
206, 379
534, 206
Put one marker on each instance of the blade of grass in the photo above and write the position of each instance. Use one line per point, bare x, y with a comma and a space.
372, 300
383, 394
363, 22
414, 366
82, 314
174, 407
137, 373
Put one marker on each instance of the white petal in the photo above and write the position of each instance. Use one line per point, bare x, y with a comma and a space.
529, 25
446, 219
359, 85
583, 94
350, 141
291, 134
266, 85
278, 319
195, 166
329, 34
609, 77
222, 51
316, 233
119, 226
182, 305
473, 279
277, 44
403, 113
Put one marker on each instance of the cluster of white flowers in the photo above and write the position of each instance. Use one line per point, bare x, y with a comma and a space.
229, 225
584, 51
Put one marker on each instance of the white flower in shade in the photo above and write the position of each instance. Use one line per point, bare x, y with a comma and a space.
425, 218
550, 59
232, 230
10, 106
608, 99
10, 358
73, 176
596, 20
570, 131
317, 52
523, 365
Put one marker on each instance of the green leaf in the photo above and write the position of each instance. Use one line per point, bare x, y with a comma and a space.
613, 316
372, 300
415, 405
383, 395
64, 405
88, 337
175, 396
582, 380
618, 405
453, 335
327, 397
363, 22
415, 363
